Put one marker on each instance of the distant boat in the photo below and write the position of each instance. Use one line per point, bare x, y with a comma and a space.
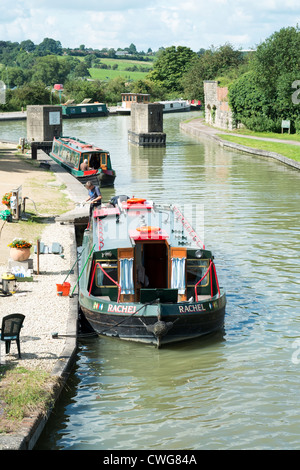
175, 106
70, 153
196, 105
147, 276
84, 109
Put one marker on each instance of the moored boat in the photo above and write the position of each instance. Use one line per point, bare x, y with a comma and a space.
83, 110
175, 106
70, 153
146, 276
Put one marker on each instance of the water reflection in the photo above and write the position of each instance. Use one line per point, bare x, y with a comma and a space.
126, 394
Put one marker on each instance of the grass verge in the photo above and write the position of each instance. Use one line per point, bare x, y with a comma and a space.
287, 150
23, 393
269, 135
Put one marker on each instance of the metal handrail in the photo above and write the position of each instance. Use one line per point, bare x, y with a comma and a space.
211, 264
107, 275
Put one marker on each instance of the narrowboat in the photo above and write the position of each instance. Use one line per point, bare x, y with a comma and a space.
70, 153
83, 110
175, 106
146, 276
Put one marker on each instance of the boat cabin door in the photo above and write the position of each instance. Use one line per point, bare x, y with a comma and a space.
151, 261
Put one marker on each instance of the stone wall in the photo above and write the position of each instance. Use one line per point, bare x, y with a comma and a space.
147, 124
217, 110
43, 123
146, 117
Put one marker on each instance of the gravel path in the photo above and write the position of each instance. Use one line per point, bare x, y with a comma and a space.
45, 312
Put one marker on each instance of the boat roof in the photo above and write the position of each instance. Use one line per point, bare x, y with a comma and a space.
125, 224
179, 100
85, 102
80, 145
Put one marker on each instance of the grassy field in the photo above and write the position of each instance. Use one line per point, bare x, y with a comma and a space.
287, 150
107, 74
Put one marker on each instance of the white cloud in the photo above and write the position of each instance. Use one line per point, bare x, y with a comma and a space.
146, 23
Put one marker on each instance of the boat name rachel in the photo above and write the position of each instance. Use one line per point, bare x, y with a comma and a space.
121, 308
191, 308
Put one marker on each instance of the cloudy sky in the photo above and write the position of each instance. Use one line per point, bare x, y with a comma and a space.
146, 23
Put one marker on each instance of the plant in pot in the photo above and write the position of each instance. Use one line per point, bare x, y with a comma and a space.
19, 249
6, 199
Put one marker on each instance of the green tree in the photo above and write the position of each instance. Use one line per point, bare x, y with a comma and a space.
78, 90
13, 76
250, 105
111, 53
27, 46
277, 55
49, 46
148, 87
275, 66
113, 89
81, 70
30, 94
51, 69
208, 66
172, 63
132, 49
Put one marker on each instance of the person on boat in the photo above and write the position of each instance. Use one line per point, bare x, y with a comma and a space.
84, 165
95, 197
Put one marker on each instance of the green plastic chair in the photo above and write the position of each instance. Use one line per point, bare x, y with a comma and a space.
10, 330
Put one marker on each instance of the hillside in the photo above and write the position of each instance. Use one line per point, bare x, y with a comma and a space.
129, 69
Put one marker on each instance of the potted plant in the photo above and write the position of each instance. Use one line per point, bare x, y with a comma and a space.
19, 249
6, 199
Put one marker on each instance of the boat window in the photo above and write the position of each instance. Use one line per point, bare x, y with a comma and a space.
196, 268
70, 156
103, 160
73, 158
111, 268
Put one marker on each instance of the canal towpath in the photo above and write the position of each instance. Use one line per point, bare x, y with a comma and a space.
198, 128
45, 312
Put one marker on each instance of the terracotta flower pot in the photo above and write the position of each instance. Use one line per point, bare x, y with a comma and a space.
19, 254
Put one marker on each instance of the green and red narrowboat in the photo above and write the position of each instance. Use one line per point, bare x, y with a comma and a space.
146, 276
70, 153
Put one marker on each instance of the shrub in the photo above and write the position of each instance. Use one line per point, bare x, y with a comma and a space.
261, 124
297, 126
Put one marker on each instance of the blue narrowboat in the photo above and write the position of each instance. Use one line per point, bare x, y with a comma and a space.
83, 110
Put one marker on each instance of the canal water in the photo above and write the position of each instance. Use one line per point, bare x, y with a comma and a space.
235, 390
